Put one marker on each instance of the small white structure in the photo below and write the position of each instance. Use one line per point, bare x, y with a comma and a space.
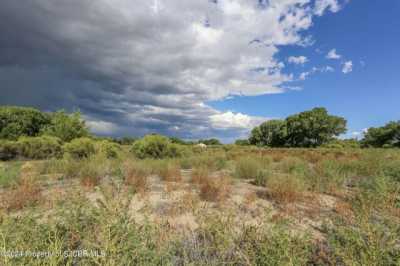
202, 145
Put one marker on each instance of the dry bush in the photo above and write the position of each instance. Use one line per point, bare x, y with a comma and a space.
313, 157
199, 174
90, 174
215, 189
26, 193
250, 198
189, 201
345, 210
278, 156
286, 189
136, 175
169, 171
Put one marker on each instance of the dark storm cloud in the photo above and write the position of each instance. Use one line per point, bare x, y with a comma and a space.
134, 67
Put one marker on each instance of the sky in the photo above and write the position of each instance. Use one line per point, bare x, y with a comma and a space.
201, 68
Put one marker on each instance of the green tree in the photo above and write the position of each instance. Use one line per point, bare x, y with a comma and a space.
386, 136
242, 142
177, 140
21, 121
66, 126
212, 141
271, 133
313, 128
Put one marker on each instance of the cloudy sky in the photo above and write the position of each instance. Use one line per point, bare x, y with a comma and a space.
201, 68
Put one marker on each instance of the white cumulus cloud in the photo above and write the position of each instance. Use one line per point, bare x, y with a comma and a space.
322, 5
332, 54
347, 67
226, 120
298, 60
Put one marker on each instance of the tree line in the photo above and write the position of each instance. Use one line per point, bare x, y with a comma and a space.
316, 128
308, 129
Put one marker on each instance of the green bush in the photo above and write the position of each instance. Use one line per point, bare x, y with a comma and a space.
43, 147
247, 168
8, 150
156, 147
9, 173
20, 121
342, 144
262, 177
80, 148
109, 149
66, 126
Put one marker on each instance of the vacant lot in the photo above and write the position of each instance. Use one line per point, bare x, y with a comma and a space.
226, 205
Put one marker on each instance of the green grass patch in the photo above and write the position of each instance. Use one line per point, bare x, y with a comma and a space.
9, 173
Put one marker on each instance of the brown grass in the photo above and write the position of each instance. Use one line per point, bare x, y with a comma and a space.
250, 198
285, 189
345, 210
189, 201
170, 172
26, 193
136, 176
216, 189
199, 174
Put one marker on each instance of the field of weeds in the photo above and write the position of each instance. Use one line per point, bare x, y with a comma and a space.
224, 205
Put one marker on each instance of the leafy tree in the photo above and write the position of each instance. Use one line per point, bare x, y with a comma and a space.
212, 141
313, 128
66, 126
386, 136
126, 140
21, 121
271, 133
242, 142
177, 141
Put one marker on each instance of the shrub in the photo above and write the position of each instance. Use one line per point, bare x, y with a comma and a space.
247, 168
26, 193
329, 175
66, 126
108, 149
20, 121
286, 188
9, 173
372, 243
43, 147
156, 147
276, 246
262, 177
80, 148
136, 175
392, 170
168, 170
294, 165
215, 188
199, 174
8, 150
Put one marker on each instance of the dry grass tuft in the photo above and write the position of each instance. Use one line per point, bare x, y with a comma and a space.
189, 201
250, 198
344, 210
285, 189
199, 174
215, 189
136, 175
26, 193
169, 171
